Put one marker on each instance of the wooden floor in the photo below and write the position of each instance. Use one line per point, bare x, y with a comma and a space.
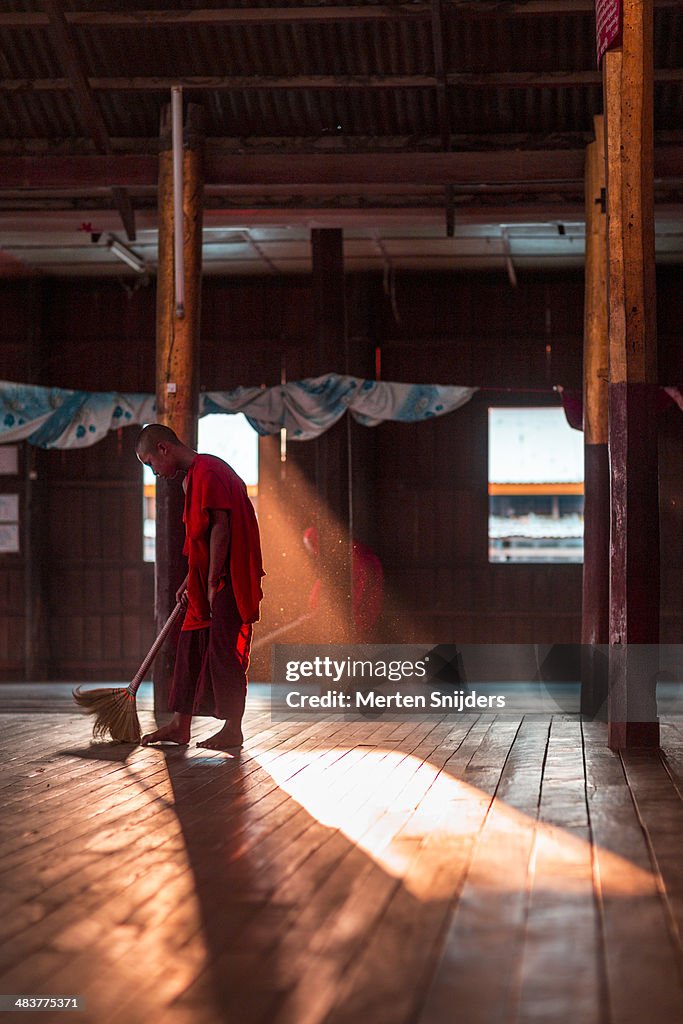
462, 869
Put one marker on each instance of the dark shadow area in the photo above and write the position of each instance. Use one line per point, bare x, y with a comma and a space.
211, 802
113, 752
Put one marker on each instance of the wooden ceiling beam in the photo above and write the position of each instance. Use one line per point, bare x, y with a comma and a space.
293, 169
313, 14
228, 16
324, 144
440, 73
223, 83
124, 205
77, 80
70, 59
442, 101
355, 169
533, 7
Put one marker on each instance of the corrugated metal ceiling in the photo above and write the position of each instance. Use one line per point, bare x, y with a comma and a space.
284, 106
474, 44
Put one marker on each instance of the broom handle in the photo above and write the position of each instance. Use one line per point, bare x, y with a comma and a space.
154, 649
262, 641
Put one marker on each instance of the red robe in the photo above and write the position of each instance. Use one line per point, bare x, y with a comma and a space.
213, 484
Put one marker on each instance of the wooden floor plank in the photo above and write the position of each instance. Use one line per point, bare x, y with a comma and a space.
503, 869
330, 919
642, 964
375, 986
77, 875
106, 916
428, 856
659, 809
480, 960
144, 817
672, 753
562, 969
264, 908
146, 767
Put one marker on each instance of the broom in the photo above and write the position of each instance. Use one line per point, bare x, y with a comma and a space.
114, 707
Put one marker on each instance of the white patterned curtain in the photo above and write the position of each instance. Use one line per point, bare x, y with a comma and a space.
58, 418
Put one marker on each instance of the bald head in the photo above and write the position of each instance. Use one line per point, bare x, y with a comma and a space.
154, 434
160, 448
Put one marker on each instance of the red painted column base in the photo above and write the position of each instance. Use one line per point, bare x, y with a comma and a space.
621, 735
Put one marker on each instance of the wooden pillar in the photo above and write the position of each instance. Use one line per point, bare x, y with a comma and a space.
595, 604
362, 364
177, 366
36, 566
333, 448
35, 532
634, 541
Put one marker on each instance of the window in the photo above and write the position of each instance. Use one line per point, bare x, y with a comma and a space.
230, 438
535, 487
9, 523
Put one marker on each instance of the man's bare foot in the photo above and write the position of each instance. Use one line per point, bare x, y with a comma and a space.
228, 738
177, 731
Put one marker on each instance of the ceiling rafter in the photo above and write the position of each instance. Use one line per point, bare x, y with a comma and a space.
489, 80
475, 169
392, 173
377, 144
313, 13
442, 107
67, 51
363, 208
440, 73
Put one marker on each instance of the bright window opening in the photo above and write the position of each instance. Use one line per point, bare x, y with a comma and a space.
232, 439
535, 487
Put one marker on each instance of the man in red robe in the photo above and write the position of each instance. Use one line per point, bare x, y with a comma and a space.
221, 593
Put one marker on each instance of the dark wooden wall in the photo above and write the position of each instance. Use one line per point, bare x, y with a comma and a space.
432, 478
420, 495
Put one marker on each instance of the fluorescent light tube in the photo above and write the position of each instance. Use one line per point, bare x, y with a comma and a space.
126, 255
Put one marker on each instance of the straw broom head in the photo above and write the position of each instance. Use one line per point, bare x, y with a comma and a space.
115, 713
114, 707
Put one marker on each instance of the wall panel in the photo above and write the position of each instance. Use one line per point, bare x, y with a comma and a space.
420, 491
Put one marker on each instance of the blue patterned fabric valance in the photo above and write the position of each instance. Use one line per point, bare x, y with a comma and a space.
57, 418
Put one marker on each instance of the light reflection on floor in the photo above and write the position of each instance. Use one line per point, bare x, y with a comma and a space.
443, 818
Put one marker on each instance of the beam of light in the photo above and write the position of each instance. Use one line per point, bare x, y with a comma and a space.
417, 822
288, 504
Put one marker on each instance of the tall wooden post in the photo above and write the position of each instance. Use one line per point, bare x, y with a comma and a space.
333, 448
36, 502
177, 366
362, 364
634, 543
595, 604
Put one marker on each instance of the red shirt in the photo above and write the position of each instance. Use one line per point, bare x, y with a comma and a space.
213, 484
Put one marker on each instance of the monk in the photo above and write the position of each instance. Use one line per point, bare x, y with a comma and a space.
221, 592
